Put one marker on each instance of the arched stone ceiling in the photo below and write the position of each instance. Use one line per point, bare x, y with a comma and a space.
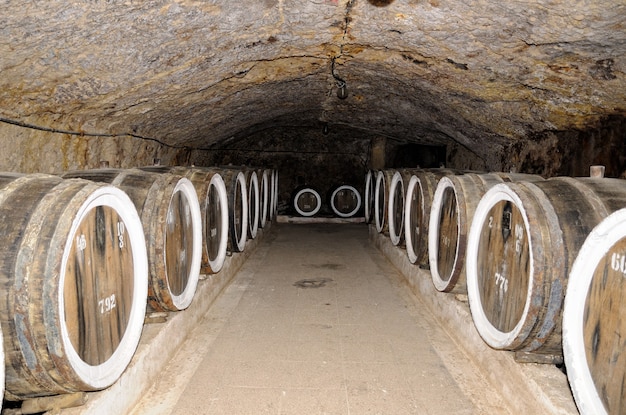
199, 73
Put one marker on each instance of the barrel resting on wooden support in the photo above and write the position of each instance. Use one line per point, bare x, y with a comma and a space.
529, 357
156, 317
49, 404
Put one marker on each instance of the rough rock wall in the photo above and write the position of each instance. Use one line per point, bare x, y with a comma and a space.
27, 150
488, 77
572, 152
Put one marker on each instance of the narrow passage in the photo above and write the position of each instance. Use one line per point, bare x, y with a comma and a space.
318, 322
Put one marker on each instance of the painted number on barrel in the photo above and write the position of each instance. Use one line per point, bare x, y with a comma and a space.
213, 232
81, 242
519, 236
502, 283
618, 262
445, 240
107, 304
121, 230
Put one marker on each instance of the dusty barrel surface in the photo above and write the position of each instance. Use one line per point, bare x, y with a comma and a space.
236, 189
74, 270
395, 208
345, 201
254, 202
452, 209
170, 213
594, 328
306, 201
522, 244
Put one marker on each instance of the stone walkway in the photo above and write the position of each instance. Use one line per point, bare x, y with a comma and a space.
318, 322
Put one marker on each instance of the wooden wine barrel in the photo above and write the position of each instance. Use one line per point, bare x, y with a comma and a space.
368, 197
522, 243
236, 189
213, 202
74, 273
254, 201
594, 328
345, 201
418, 200
306, 201
453, 206
381, 200
170, 213
273, 197
395, 208
265, 196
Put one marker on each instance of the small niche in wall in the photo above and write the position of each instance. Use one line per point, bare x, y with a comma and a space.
413, 155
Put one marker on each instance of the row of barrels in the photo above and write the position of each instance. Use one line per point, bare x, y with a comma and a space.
344, 201
542, 261
87, 254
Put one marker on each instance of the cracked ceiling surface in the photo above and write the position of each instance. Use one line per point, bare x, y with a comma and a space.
197, 74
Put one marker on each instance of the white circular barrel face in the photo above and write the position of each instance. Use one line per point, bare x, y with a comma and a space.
265, 196
96, 293
380, 201
369, 196
103, 287
307, 202
499, 267
443, 236
594, 327
395, 208
413, 214
216, 223
253, 205
183, 244
345, 201
503, 266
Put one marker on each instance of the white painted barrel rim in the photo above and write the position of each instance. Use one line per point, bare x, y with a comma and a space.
253, 217
394, 234
265, 199
217, 182
273, 208
440, 283
358, 201
490, 334
184, 299
368, 196
380, 222
318, 199
408, 232
241, 239
105, 374
596, 246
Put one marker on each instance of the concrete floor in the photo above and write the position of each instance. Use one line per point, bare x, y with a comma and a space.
317, 321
